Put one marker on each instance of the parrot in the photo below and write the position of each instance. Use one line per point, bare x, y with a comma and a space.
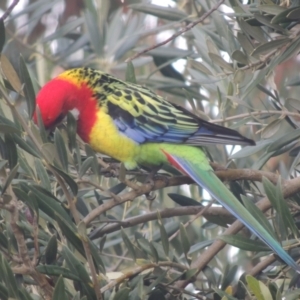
137, 127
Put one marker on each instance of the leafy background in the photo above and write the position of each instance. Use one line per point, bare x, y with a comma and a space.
73, 227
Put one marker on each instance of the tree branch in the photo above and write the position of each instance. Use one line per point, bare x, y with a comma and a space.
165, 213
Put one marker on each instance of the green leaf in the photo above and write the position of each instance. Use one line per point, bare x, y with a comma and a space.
243, 243
69, 180
283, 140
128, 244
12, 152
85, 166
122, 294
10, 73
10, 178
71, 130
270, 46
164, 237
183, 200
59, 290
53, 270
185, 243
2, 35
258, 215
51, 250
168, 13
275, 195
61, 149
43, 134
256, 288
9, 278
25, 145
130, 74
42, 174
28, 88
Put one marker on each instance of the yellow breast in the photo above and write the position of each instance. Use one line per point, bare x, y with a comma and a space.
106, 138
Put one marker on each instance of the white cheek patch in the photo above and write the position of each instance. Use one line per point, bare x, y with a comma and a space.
75, 112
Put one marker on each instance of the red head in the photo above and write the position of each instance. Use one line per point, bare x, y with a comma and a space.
64, 93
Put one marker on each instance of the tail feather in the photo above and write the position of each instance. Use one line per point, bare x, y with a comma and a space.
209, 181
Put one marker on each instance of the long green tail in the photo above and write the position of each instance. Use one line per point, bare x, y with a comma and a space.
209, 181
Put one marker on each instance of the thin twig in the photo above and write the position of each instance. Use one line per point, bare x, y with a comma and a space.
9, 10
180, 32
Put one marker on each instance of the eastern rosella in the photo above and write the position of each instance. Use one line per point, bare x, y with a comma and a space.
138, 127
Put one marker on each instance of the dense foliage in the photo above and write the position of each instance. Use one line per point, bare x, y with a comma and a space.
76, 225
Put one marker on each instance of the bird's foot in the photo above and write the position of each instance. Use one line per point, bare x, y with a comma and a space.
112, 171
151, 178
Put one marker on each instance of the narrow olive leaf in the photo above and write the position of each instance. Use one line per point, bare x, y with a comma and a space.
231, 273
85, 166
271, 129
293, 81
266, 21
4, 128
220, 62
154, 253
42, 174
122, 294
255, 32
280, 204
2, 35
292, 103
245, 42
61, 149
290, 51
49, 205
24, 145
10, 74
130, 74
41, 125
164, 238
271, 9
95, 35
258, 215
99, 264
185, 243
81, 229
267, 92
71, 130
3, 292
10, 178
10, 279
122, 172
51, 250
200, 67
167, 13
282, 16
244, 243
59, 289
144, 245
75, 265
183, 200
69, 180
294, 14
12, 153
270, 46
128, 244
28, 88
254, 286
240, 57
283, 140
63, 30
